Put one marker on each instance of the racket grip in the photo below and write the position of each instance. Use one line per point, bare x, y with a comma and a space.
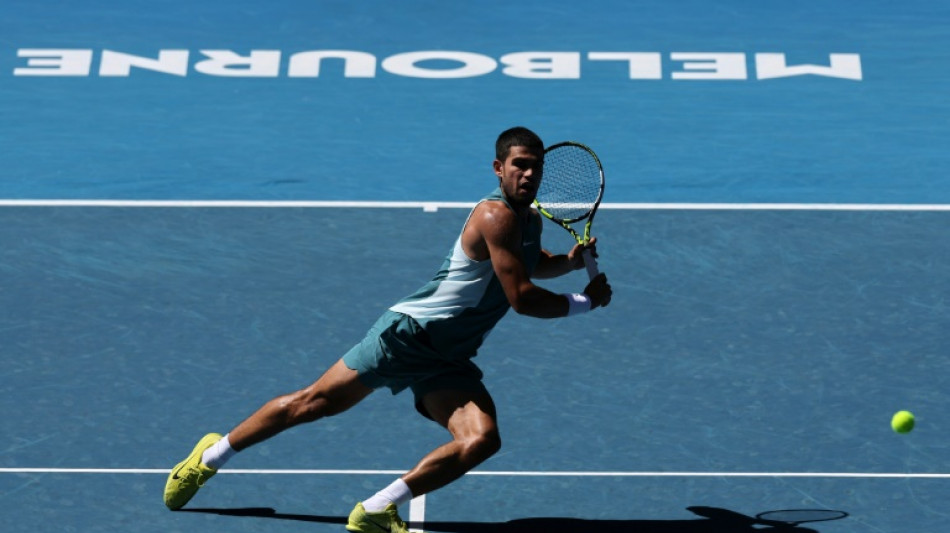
590, 264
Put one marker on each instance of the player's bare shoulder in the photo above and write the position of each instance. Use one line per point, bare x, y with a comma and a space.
491, 221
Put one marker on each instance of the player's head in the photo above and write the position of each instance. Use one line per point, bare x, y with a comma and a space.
519, 164
518, 136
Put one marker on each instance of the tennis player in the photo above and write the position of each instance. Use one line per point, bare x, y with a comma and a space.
425, 343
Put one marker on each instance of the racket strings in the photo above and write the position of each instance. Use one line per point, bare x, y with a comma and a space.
571, 184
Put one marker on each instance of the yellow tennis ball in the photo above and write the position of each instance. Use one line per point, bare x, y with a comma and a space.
902, 422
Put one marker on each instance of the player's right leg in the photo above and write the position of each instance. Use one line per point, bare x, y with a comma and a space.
189, 475
336, 391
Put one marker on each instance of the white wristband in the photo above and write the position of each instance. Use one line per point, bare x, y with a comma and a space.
577, 302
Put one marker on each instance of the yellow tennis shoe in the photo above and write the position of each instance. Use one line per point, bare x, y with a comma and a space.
385, 521
189, 475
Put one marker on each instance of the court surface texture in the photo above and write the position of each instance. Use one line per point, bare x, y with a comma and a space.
204, 205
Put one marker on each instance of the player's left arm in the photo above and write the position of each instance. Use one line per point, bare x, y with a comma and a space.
552, 265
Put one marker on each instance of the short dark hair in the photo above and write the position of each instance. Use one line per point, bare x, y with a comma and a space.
518, 136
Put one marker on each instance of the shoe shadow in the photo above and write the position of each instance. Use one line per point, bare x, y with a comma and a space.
712, 520
267, 512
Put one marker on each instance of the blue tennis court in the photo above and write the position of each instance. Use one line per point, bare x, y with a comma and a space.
194, 220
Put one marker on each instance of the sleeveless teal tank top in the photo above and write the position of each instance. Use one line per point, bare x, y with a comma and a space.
464, 301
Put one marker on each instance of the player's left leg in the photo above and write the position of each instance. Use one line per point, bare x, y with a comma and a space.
472, 421
470, 417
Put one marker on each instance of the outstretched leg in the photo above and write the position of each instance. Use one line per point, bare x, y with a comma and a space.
336, 391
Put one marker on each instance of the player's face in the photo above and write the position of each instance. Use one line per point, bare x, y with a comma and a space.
520, 175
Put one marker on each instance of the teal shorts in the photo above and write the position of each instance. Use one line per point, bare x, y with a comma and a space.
396, 353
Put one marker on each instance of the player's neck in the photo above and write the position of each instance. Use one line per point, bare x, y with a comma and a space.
521, 208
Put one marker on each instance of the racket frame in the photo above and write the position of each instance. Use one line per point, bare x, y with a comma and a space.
582, 238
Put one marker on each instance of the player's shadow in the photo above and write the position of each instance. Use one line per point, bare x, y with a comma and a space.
712, 520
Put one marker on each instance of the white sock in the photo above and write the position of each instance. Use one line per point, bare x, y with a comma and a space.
397, 493
218, 453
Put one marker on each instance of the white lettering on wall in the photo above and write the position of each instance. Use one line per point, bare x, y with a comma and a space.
54, 62
407, 64
543, 65
716, 66
640, 65
428, 64
845, 66
259, 64
173, 62
355, 64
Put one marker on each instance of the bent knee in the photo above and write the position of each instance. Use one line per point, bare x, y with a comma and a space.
479, 447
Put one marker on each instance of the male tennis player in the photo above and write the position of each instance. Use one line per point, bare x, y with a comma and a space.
425, 342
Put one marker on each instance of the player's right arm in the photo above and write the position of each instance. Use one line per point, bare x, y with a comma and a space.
493, 232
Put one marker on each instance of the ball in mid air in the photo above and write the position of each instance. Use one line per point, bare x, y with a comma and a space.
902, 422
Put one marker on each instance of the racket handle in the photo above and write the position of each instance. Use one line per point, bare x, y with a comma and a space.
590, 264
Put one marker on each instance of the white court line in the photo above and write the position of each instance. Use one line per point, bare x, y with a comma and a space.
435, 206
501, 473
417, 514
426, 206
417, 507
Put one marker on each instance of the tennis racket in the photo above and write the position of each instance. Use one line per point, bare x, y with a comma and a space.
571, 190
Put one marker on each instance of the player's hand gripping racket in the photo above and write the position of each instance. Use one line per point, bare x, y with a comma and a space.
571, 190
